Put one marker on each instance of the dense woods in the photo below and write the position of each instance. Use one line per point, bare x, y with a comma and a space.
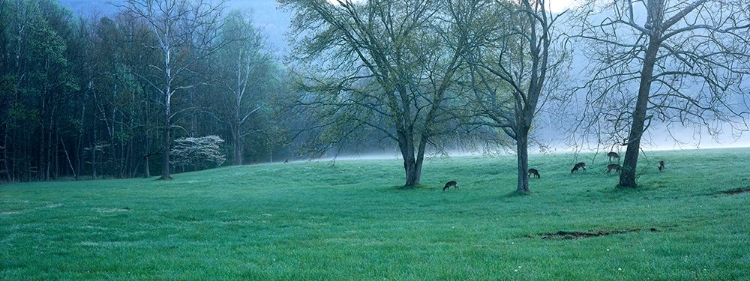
85, 97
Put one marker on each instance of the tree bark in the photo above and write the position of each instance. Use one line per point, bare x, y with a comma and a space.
522, 151
628, 172
237, 144
412, 162
166, 141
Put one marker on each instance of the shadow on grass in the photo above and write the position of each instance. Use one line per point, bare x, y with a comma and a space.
518, 194
735, 191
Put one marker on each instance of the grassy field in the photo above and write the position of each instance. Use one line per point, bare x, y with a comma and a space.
351, 221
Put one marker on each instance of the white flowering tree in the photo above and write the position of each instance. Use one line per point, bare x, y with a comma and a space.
198, 152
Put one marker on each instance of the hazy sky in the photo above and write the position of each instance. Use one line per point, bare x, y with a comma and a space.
265, 13
274, 22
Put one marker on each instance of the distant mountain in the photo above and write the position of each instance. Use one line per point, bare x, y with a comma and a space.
274, 22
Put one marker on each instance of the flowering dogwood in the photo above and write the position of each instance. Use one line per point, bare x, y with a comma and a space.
197, 151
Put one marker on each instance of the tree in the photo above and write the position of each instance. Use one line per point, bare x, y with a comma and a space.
185, 32
382, 65
197, 151
687, 58
514, 58
246, 69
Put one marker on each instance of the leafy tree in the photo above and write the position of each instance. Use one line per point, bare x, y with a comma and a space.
383, 65
688, 60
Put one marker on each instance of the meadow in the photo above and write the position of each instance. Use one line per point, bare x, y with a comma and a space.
350, 220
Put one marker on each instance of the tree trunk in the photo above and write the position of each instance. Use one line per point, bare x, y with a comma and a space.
522, 151
628, 172
6, 165
412, 164
165, 146
237, 143
237, 153
67, 157
146, 168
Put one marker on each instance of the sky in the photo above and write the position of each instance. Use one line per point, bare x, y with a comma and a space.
266, 15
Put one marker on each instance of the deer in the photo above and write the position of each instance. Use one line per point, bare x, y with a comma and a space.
611, 167
578, 165
534, 172
661, 166
613, 155
449, 184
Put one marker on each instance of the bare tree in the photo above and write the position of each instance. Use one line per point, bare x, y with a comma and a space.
384, 65
185, 32
516, 57
687, 58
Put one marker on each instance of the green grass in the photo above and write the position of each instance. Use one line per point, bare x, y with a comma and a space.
351, 221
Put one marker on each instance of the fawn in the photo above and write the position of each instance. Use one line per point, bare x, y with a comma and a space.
578, 165
611, 167
613, 155
449, 184
534, 172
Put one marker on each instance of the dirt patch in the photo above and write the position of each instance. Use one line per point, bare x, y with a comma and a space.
736, 191
112, 210
565, 235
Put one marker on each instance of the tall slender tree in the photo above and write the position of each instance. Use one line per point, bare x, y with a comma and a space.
185, 32
516, 55
247, 73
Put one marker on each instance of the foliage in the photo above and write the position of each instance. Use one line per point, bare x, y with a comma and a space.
318, 221
387, 66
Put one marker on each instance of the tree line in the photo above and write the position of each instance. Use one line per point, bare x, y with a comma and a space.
118, 96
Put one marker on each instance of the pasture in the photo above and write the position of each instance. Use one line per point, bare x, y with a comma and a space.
349, 220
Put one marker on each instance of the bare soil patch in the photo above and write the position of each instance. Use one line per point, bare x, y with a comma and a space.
736, 191
566, 235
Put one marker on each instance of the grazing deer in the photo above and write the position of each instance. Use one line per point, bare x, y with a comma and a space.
613, 155
578, 165
449, 184
611, 167
534, 172
661, 166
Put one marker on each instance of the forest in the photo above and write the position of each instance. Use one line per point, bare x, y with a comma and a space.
88, 97
163, 86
